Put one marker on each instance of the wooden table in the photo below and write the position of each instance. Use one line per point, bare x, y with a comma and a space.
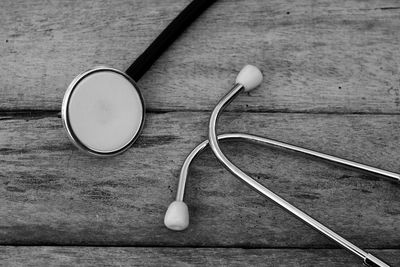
332, 83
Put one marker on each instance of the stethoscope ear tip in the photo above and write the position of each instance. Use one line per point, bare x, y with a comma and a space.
177, 216
250, 77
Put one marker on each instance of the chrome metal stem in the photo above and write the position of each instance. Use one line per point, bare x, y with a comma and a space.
266, 142
213, 140
201, 147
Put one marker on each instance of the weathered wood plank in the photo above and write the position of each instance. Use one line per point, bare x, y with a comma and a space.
317, 56
128, 256
50, 193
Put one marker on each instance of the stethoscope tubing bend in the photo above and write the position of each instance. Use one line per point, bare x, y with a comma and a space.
367, 258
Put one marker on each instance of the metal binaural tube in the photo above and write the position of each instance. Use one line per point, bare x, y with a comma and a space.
177, 216
180, 192
271, 142
367, 258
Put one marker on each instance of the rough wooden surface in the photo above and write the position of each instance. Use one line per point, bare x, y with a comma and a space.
317, 56
332, 83
114, 256
53, 194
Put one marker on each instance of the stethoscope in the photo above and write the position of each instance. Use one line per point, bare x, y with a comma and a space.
103, 113
177, 215
103, 110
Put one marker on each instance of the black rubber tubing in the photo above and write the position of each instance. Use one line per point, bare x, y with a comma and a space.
166, 38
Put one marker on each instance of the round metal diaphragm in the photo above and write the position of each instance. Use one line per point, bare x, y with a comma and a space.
103, 111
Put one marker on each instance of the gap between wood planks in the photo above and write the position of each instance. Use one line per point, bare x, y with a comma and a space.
197, 247
35, 114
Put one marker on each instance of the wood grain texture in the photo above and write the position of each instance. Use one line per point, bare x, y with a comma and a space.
50, 193
333, 57
317, 56
114, 256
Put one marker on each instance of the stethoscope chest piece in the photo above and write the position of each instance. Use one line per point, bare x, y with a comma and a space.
103, 111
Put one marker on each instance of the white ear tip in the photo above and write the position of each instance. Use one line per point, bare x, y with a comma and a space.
177, 216
250, 77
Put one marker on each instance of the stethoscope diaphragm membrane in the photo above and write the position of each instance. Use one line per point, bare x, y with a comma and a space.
103, 111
